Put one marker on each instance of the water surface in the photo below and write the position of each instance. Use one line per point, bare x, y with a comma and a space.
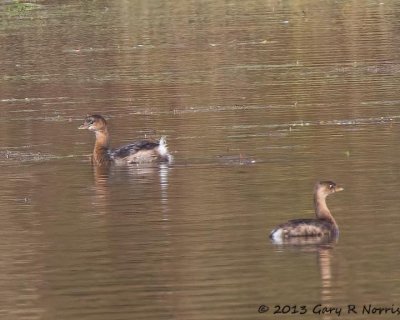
258, 100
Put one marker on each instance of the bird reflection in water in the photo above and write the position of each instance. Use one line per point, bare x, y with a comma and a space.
137, 175
323, 248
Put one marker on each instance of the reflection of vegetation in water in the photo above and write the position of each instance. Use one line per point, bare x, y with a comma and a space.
16, 7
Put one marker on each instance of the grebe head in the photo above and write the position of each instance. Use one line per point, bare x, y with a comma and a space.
94, 123
325, 188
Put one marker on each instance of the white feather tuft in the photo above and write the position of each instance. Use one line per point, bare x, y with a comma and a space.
163, 149
276, 234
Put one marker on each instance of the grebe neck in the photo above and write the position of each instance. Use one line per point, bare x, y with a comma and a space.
321, 209
101, 154
102, 139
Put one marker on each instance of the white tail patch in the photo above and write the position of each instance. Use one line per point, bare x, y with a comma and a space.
163, 149
276, 235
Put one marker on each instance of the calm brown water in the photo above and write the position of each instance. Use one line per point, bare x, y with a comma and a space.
306, 89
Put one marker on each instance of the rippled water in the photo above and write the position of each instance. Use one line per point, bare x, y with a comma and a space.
258, 100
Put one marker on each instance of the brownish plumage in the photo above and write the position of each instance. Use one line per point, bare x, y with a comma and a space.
323, 226
138, 152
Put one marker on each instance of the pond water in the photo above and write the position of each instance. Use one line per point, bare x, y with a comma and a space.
258, 100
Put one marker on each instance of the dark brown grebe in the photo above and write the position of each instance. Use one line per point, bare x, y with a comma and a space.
138, 152
323, 226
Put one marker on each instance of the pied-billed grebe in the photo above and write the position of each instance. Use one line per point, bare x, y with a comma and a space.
323, 226
138, 152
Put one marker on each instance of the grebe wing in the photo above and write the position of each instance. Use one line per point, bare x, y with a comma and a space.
133, 148
303, 228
